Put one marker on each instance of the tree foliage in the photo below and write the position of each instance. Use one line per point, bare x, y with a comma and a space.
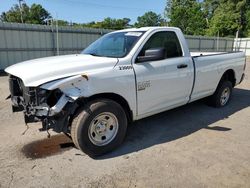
107, 23
34, 14
210, 17
247, 29
37, 14
194, 17
229, 17
111, 23
187, 15
149, 19
209, 6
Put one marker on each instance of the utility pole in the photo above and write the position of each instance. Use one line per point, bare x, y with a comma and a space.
20, 8
55, 40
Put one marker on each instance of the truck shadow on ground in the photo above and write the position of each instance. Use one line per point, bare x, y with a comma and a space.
178, 123
158, 129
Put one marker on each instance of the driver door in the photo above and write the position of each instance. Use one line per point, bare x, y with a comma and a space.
166, 83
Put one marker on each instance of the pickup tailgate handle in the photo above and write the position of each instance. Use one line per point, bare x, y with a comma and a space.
182, 66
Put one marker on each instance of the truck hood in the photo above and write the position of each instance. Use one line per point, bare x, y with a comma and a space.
39, 71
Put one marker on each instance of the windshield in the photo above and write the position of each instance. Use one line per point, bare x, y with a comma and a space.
114, 45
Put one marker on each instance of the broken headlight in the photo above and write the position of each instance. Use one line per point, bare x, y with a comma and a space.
49, 97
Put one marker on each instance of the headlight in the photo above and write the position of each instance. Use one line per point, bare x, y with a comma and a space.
53, 97
48, 97
42, 96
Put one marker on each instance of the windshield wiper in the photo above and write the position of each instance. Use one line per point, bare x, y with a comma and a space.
94, 54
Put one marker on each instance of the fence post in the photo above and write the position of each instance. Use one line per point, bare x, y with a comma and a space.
240, 45
225, 45
218, 38
214, 44
199, 43
57, 39
53, 38
246, 46
232, 47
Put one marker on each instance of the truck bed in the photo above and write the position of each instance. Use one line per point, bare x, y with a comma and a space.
209, 67
196, 54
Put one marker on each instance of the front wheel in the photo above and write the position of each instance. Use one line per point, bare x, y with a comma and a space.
222, 95
99, 127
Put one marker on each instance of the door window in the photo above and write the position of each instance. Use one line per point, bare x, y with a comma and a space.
164, 39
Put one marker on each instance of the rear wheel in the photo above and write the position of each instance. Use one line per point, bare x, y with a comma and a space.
99, 127
222, 95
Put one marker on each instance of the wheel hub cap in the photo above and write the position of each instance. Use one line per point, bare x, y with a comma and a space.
103, 129
225, 96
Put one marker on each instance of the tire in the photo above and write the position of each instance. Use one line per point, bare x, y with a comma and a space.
99, 127
224, 90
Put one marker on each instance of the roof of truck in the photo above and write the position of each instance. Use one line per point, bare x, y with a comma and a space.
144, 29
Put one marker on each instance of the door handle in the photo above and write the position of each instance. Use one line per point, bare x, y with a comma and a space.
182, 66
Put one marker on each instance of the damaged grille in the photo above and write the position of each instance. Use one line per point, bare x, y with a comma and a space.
26, 95
31, 96
15, 86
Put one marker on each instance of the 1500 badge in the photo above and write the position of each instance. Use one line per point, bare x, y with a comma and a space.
143, 85
125, 67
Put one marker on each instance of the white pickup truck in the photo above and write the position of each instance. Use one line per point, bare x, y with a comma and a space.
124, 76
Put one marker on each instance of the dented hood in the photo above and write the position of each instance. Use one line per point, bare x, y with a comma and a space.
39, 71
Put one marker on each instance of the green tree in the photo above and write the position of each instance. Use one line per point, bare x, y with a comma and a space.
188, 15
209, 6
247, 29
244, 8
229, 17
14, 14
108, 23
35, 14
149, 19
61, 23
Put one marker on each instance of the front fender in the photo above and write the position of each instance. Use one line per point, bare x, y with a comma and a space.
73, 87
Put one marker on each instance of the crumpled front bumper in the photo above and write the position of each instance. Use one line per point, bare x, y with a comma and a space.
55, 117
37, 104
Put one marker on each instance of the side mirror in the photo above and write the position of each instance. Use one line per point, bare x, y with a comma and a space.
152, 54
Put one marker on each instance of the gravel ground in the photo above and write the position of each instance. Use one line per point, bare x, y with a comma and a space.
191, 146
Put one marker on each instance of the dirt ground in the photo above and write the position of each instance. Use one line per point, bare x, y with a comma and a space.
192, 146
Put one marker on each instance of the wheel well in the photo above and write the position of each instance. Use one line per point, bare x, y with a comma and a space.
117, 98
229, 75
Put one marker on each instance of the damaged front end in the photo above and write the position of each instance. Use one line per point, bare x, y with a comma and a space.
52, 107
